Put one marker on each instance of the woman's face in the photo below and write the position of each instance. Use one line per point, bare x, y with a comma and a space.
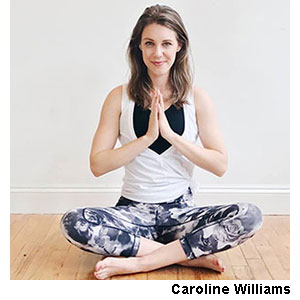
159, 47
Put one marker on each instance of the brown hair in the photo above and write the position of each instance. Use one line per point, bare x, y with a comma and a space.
180, 78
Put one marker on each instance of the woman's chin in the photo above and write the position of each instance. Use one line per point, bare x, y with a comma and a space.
157, 72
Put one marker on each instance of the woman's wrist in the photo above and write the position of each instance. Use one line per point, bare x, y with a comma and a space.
172, 138
148, 139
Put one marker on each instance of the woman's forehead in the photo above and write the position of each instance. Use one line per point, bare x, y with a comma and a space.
158, 32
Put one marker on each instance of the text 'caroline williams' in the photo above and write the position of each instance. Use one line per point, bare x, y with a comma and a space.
239, 289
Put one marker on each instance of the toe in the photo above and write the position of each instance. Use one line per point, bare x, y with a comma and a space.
97, 275
220, 265
100, 275
98, 265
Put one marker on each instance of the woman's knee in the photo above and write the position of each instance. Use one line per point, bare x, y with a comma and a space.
251, 218
94, 230
74, 227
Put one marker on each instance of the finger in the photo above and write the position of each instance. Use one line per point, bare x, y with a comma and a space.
161, 110
152, 104
155, 109
153, 100
161, 103
156, 95
160, 94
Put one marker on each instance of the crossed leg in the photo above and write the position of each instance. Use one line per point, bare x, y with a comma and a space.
153, 255
209, 261
204, 231
194, 249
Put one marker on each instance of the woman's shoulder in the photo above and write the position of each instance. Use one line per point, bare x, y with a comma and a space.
115, 95
199, 92
116, 92
114, 98
202, 100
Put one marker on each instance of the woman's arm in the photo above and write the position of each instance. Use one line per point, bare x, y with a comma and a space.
213, 155
103, 157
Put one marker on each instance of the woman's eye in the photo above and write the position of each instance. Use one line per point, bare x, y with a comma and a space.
167, 44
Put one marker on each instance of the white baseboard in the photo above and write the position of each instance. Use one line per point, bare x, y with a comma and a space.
271, 200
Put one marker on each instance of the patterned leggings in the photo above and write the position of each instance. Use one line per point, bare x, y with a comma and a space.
117, 231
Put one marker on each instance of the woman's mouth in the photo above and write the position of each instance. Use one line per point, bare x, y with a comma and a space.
158, 63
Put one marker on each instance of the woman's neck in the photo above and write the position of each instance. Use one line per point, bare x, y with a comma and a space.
162, 83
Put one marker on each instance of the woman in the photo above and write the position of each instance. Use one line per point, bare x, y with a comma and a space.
158, 117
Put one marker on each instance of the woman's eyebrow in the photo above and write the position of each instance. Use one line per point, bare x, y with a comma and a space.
167, 40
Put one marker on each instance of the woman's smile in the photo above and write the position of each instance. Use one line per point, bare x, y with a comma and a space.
158, 63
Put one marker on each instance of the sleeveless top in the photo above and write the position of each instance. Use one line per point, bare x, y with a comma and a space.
154, 176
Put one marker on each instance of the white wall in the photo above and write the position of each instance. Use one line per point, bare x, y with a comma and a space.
66, 55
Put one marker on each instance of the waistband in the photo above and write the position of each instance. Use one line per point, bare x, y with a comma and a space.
125, 201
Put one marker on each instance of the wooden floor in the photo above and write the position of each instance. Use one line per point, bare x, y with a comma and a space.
39, 251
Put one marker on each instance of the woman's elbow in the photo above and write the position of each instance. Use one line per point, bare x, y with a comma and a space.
221, 172
223, 168
96, 172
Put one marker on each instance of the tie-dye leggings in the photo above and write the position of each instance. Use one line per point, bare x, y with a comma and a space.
117, 231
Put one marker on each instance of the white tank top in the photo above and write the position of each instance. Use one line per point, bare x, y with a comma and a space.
151, 177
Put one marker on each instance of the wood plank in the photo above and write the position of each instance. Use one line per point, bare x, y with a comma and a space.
283, 225
280, 246
26, 244
17, 222
269, 258
236, 257
258, 269
40, 255
242, 273
121, 277
249, 251
136, 276
87, 266
207, 274
27, 234
166, 273
228, 274
274, 237
70, 266
188, 273
196, 273
42, 251
52, 254
239, 264
53, 264
272, 263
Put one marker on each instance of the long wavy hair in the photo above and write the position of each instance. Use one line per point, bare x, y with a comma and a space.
180, 78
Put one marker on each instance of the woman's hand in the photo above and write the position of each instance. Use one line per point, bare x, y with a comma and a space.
164, 127
153, 126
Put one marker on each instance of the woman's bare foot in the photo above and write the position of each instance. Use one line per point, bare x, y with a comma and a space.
111, 266
208, 261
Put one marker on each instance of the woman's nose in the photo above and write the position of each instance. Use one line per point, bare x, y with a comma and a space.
158, 51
